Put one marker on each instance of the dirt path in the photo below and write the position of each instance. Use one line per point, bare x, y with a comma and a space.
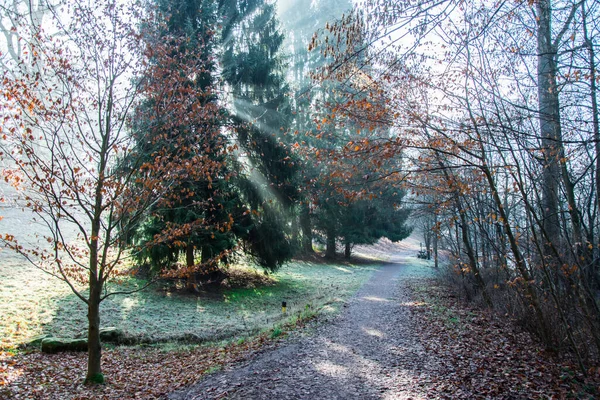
367, 352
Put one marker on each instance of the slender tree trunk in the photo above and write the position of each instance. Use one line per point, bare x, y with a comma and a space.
94, 370
550, 126
305, 225
549, 120
435, 241
94, 367
348, 250
518, 256
596, 126
192, 284
591, 278
295, 231
96, 278
427, 239
330, 251
457, 235
466, 239
501, 257
209, 267
512, 240
206, 254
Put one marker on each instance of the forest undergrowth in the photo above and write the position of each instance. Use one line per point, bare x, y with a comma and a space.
483, 354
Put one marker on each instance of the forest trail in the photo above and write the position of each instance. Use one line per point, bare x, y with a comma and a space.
369, 351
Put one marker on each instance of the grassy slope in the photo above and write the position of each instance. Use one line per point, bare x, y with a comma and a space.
34, 303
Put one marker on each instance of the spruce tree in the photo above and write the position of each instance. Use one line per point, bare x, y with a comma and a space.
247, 199
254, 72
306, 102
344, 203
195, 217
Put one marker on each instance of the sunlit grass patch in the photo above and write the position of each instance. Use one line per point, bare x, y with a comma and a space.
248, 303
28, 299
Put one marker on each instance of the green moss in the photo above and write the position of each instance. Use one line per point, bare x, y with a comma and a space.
96, 379
56, 345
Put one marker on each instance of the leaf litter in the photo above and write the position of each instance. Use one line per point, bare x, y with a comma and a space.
484, 355
131, 372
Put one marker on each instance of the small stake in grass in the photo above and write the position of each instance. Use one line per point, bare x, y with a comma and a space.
283, 307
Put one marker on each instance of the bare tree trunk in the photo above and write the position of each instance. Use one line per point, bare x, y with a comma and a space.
295, 231
471, 255
192, 284
520, 262
513, 242
347, 250
94, 372
94, 368
306, 229
435, 241
427, 238
330, 251
549, 116
210, 269
550, 125
596, 126
466, 239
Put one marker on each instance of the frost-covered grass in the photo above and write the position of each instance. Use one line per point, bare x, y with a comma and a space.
28, 300
34, 303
